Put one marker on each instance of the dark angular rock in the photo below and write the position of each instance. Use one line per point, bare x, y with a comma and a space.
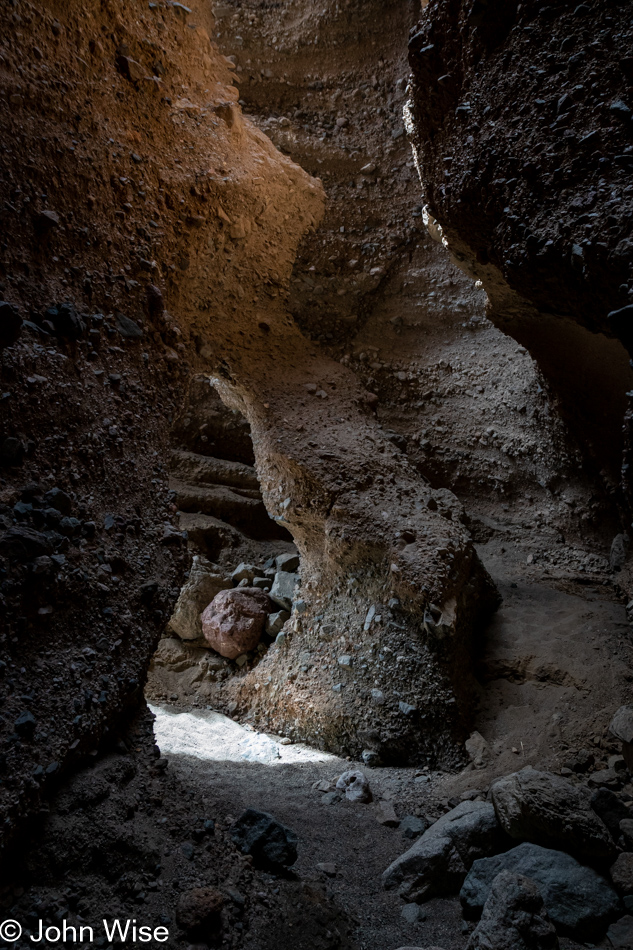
262, 836
127, 327
67, 322
199, 913
25, 724
579, 901
10, 323
620, 934
24, 543
610, 808
548, 810
438, 861
513, 917
45, 221
57, 498
69, 527
11, 451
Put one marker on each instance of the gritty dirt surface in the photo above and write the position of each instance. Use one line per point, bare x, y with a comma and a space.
128, 837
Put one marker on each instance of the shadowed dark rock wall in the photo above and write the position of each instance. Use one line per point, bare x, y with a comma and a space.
524, 133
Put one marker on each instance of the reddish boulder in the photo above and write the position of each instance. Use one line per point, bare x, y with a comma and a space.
234, 620
199, 912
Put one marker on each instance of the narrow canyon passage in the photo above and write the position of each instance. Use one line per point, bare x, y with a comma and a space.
314, 474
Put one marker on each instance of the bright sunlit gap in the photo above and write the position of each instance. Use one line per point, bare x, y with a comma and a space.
206, 734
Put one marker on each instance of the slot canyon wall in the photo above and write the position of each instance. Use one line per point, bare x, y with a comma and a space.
155, 236
228, 345
149, 232
522, 122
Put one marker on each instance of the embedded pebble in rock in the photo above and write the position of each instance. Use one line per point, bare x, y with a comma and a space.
234, 620
355, 785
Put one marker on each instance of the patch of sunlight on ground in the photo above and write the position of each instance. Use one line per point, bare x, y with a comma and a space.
210, 735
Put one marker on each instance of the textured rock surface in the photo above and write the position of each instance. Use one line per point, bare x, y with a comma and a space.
355, 785
577, 899
201, 587
621, 725
438, 861
234, 621
199, 912
269, 842
546, 809
621, 872
610, 809
513, 917
620, 934
533, 199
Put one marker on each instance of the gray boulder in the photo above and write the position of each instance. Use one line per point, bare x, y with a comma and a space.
412, 827
271, 845
288, 563
579, 902
201, 587
622, 724
548, 810
622, 728
439, 860
245, 572
513, 917
275, 622
620, 934
610, 808
283, 589
355, 785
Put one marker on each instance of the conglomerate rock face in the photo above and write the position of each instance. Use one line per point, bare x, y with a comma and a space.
149, 233
522, 122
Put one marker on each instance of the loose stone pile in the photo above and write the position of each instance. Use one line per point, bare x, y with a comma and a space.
571, 875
